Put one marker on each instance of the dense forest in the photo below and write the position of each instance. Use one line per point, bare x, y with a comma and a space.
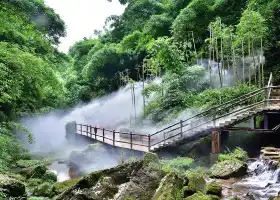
169, 39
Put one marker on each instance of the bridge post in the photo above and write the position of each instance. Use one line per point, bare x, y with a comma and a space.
103, 135
181, 127
114, 136
149, 142
95, 132
131, 140
216, 142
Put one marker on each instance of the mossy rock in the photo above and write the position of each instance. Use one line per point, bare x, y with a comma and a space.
60, 187
49, 177
228, 168
214, 189
34, 172
196, 181
201, 196
238, 154
151, 158
119, 175
11, 187
44, 190
169, 188
27, 163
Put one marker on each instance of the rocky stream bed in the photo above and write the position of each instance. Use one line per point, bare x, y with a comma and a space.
233, 176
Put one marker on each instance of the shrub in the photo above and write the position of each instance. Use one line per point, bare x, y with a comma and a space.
180, 164
238, 154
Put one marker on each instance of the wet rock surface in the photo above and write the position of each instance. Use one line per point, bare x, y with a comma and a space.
228, 169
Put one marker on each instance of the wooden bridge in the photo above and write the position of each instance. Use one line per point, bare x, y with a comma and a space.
261, 102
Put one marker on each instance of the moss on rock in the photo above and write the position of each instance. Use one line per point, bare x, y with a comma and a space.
60, 187
150, 158
228, 168
169, 188
11, 187
201, 196
214, 189
196, 181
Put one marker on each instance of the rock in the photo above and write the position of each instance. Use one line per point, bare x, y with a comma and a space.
11, 187
49, 177
104, 189
169, 188
228, 168
214, 189
271, 153
151, 158
196, 182
119, 175
60, 187
34, 171
143, 184
201, 196
44, 190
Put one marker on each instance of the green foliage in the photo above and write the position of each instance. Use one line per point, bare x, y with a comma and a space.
45, 190
178, 165
27, 163
158, 25
238, 154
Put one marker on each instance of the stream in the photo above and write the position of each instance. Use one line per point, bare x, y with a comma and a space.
261, 182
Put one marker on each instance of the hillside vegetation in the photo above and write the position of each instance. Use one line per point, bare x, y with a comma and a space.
152, 38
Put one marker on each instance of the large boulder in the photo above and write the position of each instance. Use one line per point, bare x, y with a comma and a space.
170, 188
214, 189
228, 168
118, 175
143, 184
11, 187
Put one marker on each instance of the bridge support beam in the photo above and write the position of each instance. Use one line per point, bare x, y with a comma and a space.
216, 142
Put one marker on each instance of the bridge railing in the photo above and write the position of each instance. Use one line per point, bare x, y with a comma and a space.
115, 138
211, 117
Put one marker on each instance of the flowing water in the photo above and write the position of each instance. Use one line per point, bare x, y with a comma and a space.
262, 182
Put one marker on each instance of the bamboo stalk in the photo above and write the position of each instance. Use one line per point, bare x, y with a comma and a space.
262, 62
253, 52
249, 69
243, 61
194, 47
